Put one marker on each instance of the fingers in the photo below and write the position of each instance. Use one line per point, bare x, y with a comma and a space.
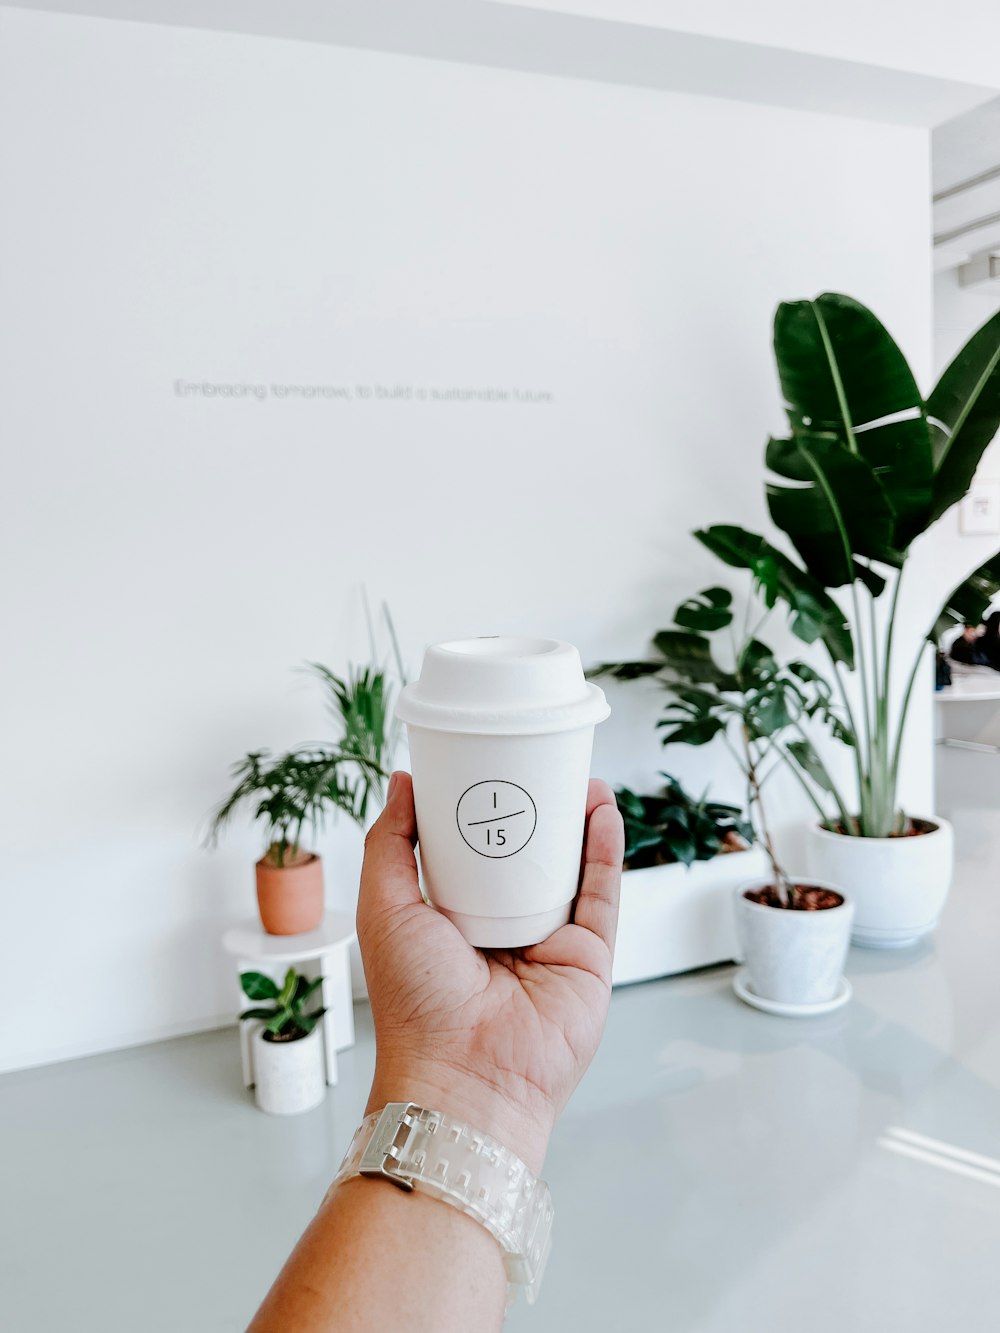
600, 885
389, 874
599, 793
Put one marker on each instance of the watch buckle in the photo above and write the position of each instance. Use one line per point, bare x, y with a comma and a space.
388, 1142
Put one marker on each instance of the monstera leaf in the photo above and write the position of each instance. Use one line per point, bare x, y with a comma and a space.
964, 412
814, 613
860, 444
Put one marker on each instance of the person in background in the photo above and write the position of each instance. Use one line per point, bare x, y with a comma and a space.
989, 641
969, 648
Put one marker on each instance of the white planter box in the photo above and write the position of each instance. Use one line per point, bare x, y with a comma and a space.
674, 918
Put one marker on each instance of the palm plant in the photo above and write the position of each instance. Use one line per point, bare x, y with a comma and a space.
295, 791
868, 466
360, 704
298, 789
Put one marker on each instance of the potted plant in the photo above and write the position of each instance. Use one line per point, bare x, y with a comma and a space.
868, 466
288, 1069
793, 932
294, 792
683, 857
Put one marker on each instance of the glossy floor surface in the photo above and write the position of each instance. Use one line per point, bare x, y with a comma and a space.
719, 1170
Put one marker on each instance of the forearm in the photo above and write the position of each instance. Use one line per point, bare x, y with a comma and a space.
376, 1257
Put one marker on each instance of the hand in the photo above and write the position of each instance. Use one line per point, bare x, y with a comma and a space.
497, 1038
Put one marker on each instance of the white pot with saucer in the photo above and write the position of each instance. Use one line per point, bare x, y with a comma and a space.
794, 957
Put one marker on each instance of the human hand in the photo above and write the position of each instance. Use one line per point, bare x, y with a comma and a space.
499, 1038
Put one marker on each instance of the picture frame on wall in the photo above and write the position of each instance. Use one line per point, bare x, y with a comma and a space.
979, 511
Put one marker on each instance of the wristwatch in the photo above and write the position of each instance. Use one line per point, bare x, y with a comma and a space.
428, 1151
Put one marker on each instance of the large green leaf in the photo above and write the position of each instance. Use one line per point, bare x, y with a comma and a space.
770, 710
689, 657
697, 732
811, 764
842, 373
707, 610
257, 986
967, 604
624, 670
964, 411
837, 510
814, 613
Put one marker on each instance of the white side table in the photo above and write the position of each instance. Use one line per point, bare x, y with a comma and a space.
329, 946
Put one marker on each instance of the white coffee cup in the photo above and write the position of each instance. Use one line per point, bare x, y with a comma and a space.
501, 732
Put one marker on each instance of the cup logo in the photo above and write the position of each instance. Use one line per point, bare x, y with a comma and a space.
496, 818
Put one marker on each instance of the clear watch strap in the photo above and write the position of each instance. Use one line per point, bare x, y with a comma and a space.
429, 1151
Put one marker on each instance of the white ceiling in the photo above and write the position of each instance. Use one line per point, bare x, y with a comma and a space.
908, 62
777, 52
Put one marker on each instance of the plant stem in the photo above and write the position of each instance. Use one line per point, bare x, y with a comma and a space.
800, 778
859, 638
782, 885
904, 709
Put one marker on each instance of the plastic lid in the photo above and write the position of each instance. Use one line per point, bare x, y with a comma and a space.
502, 686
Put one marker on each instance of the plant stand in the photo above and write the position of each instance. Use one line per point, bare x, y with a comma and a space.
329, 948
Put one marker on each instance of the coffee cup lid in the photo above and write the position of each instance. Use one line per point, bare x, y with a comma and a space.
502, 686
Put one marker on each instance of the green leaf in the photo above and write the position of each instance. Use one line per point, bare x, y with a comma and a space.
837, 510
693, 733
625, 670
707, 611
968, 603
811, 764
685, 850
308, 1021
814, 613
769, 711
689, 657
288, 989
629, 803
305, 989
256, 986
964, 411
838, 365
265, 1014
842, 374
755, 660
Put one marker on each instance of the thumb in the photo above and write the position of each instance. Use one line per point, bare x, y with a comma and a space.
389, 874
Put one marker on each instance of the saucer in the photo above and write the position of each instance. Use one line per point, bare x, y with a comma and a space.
741, 986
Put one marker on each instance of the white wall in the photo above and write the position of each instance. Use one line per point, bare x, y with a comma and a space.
958, 313
241, 210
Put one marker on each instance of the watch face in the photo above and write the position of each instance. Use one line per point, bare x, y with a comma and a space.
496, 818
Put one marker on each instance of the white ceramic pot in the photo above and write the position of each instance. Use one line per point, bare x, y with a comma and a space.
793, 958
289, 1076
898, 885
674, 918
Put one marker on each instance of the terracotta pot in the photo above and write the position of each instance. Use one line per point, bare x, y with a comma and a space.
290, 897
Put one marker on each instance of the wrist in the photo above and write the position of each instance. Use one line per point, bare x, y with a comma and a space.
523, 1129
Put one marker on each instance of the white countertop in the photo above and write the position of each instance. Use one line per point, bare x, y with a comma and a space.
970, 683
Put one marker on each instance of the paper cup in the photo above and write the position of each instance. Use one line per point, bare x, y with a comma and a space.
501, 732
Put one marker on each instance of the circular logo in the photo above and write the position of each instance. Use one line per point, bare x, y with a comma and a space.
496, 818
